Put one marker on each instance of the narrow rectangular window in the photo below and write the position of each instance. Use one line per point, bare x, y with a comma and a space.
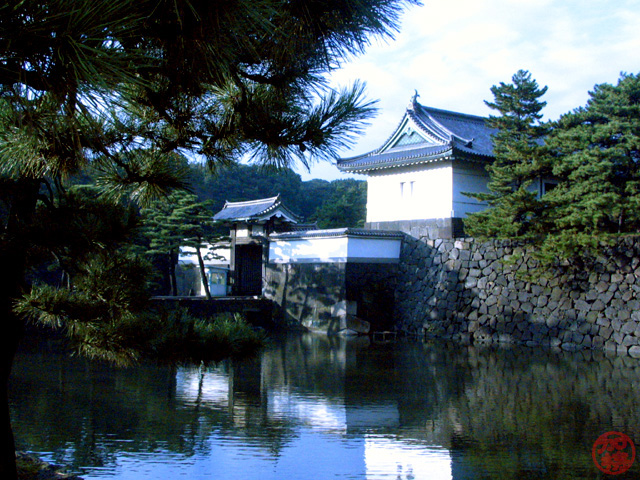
402, 190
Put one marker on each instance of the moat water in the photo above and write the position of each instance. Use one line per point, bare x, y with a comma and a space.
312, 407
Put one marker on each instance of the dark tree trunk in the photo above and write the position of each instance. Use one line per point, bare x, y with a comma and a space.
173, 261
11, 335
14, 245
203, 274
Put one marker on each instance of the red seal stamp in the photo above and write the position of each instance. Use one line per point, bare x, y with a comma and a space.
613, 453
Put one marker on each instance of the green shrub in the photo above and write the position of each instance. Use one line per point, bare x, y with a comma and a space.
183, 337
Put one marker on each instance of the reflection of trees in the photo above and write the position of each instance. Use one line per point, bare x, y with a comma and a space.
520, 412
141, 405
137, 406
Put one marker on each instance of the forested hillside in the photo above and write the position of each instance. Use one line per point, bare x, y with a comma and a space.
340, 203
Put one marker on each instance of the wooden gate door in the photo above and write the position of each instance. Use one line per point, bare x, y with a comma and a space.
248, 266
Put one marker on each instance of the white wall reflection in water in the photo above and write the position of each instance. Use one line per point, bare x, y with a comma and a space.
315, 412
202, 387
385, 456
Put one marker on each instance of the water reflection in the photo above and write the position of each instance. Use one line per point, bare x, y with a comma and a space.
319, 407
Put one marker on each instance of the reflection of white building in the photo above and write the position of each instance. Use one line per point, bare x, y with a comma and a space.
327, 431
317, 413
197, 387
353, 435
216, 265
386, 455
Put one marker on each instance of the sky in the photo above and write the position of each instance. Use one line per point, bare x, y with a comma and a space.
453, 51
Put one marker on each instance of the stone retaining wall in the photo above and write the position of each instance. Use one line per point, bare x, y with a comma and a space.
333, 298
485, 292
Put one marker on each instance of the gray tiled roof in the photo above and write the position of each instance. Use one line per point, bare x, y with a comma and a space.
468, 127
414, 156
251, 210
337, 232
454, 135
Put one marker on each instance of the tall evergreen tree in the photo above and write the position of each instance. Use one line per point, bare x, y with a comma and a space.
520, 159
175, 222
597, 151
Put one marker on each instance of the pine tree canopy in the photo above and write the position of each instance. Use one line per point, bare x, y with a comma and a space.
597, 161
124, 83
128, 88
591, 154
520, 159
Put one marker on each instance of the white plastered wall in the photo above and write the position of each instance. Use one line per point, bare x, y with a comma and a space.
420, 193
335, 250
468, 177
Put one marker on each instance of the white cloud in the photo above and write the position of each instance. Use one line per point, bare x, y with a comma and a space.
453, 51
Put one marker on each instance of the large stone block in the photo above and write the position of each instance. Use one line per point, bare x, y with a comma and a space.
582, 306
634, 351
597, 342
617, 278
584, 328
629, 327
606, 332
552, 321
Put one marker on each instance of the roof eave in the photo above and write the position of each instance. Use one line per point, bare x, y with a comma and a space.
405, 162
337, 232
453, 154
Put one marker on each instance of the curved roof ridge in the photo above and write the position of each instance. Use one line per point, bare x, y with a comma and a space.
429, 111
358, 157
252, 202
390, 137
411, 112
391, 159
254, 209
462, 135
451, 113
433, 129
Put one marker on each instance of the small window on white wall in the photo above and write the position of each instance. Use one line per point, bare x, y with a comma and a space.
407, 190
